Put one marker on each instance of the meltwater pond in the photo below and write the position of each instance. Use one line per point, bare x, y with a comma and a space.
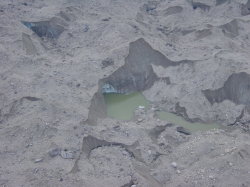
122, 106
192, 127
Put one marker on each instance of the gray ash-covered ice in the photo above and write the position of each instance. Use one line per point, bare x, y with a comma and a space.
137, 73
187, 57
235, 89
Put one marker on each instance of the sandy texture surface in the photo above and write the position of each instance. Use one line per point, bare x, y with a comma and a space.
187, 57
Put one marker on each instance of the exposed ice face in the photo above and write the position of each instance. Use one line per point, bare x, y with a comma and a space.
48, 29
108, 88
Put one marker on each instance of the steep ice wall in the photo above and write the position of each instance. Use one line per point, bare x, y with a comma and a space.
235, 89
135, 75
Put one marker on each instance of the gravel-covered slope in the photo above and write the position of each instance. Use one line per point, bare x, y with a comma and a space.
190, 57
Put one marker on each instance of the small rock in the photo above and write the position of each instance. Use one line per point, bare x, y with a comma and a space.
141, 107
230, 164
178, 172
227, 150
174, 164
211, 177
38, 160
86, 28
117, 128
66, 154
28, 145
183, 130
133, 185
139, 120
125, 153
106, 19
54, 152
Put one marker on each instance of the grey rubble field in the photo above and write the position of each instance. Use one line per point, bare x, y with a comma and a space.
187, 57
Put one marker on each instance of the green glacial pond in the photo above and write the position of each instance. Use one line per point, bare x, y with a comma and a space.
122, 107
193, 127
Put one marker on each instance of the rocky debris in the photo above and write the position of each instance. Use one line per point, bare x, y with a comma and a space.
29, 98
139, 120
211, 177
67, 154
150, 7
54, 73
156, 131
141, 107
183, 130
171, 140
106, 19
244, 126
38, 160
166, 80
16, 106
107, 62
144, 171
245, 8
36, 170
85, 28
174, 164
28, 145
164, 30
54, 152
130, 184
